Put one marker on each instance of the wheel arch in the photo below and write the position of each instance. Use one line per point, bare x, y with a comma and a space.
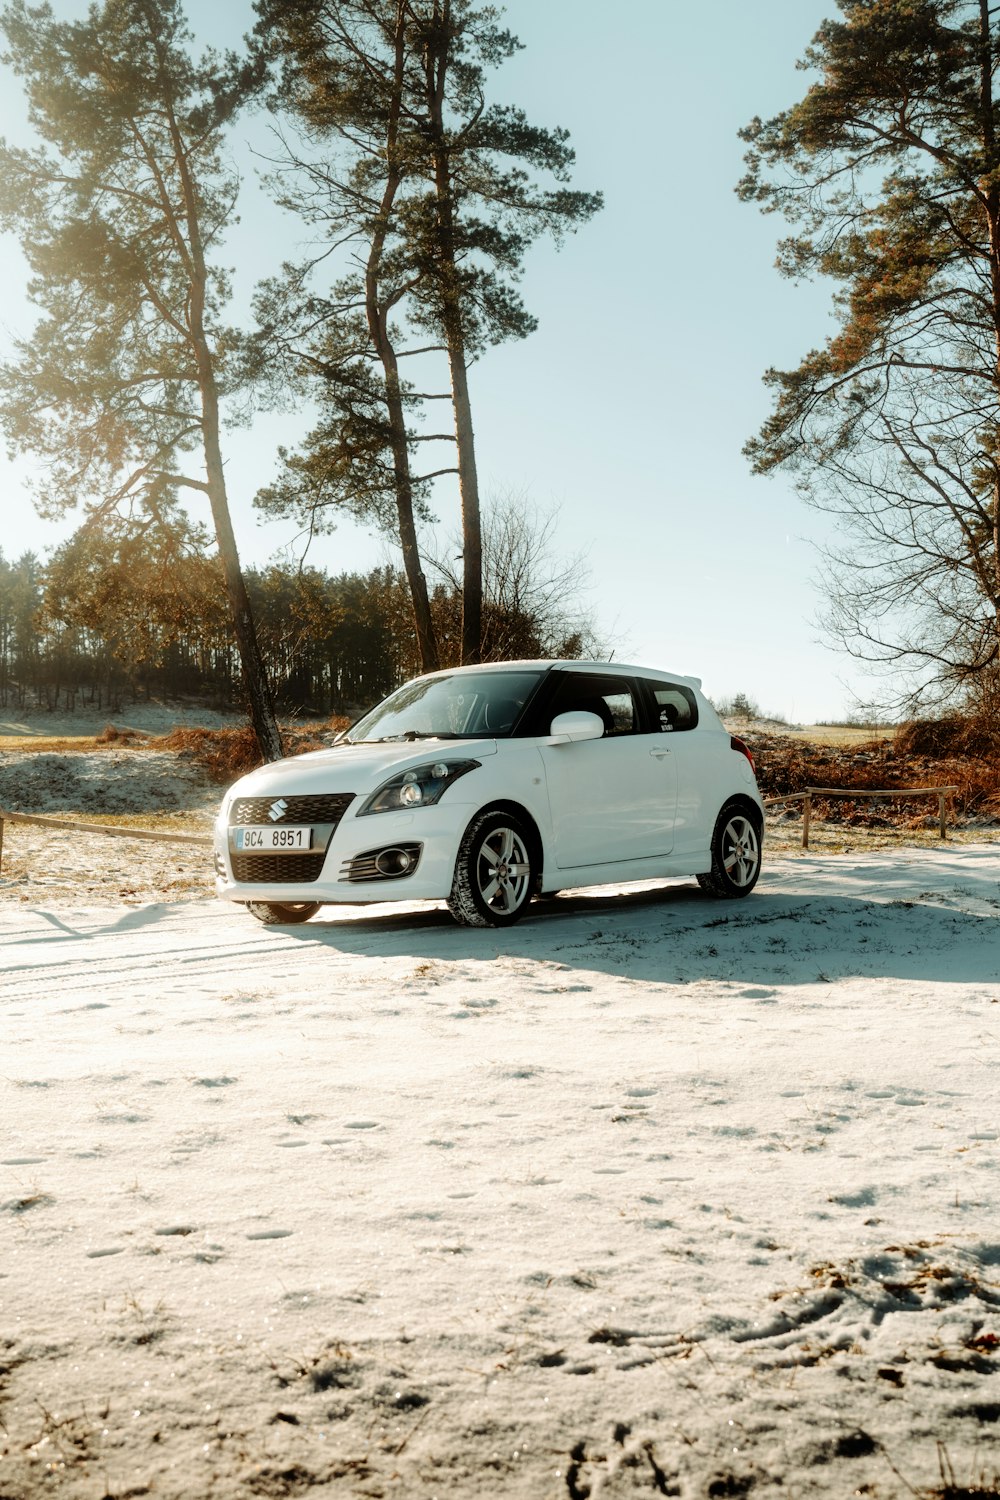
531, 828
740, 802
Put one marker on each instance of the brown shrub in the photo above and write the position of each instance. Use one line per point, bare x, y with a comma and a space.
112, 735
227, 754
785, 765
946, 738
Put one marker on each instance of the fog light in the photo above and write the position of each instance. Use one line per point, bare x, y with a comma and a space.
393, 861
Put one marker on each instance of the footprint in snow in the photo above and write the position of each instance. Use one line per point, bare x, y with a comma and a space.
865, 1197
270, 1234
209, 1253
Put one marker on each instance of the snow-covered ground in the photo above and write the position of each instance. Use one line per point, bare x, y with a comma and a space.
149, 718
649, 1195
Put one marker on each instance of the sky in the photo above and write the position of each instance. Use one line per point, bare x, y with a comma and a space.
626, 412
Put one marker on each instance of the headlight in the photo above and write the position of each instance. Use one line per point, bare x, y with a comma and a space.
421, 786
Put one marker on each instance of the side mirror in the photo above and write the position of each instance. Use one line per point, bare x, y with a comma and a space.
578, 724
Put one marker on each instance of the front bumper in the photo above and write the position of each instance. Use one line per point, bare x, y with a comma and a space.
437, 829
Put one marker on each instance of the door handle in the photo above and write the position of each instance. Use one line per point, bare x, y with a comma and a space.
660, 754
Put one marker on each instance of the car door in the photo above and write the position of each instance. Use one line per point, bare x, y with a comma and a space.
672, 708
611, 799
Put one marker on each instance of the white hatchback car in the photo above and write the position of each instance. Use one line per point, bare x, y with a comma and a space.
484, 786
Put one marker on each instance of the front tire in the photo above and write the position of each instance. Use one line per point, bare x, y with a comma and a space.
494, 872
275, 913
735, 855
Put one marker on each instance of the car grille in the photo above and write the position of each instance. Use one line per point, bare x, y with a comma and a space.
321, 809
322, 813
278, 869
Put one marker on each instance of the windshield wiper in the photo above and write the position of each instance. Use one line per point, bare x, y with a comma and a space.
410, 735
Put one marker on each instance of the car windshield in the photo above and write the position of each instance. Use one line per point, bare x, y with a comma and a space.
477, 704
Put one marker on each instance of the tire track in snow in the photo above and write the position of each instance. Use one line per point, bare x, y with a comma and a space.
116, 957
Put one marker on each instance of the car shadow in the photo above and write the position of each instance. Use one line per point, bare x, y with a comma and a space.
676, 934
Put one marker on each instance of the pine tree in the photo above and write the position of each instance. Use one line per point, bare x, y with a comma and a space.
888, 170
120, 213
443, 188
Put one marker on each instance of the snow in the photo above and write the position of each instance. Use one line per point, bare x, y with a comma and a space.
148, 718
103, 781
650, 1194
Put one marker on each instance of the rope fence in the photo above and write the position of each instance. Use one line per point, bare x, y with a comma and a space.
203, 841
942, 793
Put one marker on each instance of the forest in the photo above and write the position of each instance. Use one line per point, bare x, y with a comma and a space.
112, 621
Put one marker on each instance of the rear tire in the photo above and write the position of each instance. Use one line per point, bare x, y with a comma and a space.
494, 873
735, 854
275, 913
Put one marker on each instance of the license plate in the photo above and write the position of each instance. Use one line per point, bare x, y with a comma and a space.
273, 840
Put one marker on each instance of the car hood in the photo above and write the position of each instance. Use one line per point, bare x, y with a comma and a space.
352, 768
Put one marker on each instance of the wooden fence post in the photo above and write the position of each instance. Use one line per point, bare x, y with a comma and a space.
806, 815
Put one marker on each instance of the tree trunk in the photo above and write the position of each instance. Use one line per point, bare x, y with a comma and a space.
468, 483
426, 639
451, 311
993, 211
258, 689
378, 329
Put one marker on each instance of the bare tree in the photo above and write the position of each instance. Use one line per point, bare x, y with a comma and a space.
534, 600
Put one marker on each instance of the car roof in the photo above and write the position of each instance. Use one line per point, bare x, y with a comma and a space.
612, 668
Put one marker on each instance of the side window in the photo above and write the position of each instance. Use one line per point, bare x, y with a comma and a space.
674, 707
610, 698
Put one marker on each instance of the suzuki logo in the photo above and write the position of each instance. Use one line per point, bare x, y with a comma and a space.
277, 810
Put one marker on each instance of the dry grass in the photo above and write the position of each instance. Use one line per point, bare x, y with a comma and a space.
842, 736
52, 744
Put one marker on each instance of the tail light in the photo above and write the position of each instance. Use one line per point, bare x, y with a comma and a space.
735, 743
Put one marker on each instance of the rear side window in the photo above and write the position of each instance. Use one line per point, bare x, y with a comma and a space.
674, 707
610, 698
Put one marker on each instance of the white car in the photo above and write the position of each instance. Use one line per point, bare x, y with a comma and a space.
484, 786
